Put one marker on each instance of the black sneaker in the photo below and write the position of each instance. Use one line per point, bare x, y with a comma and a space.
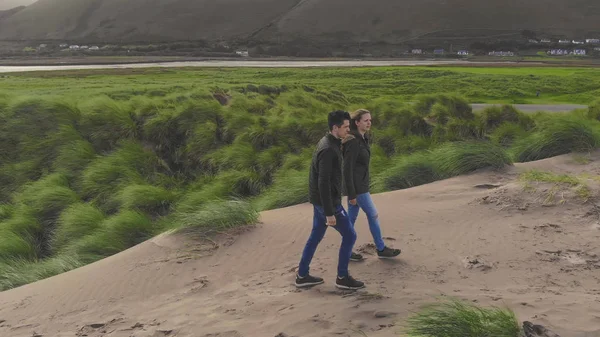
388, 253
356, 257
348, 283
307, 281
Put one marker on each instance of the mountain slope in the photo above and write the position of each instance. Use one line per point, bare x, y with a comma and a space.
349, 20
141, 19
8, 4
395, 20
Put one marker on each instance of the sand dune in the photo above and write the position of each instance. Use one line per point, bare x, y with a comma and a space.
495, 244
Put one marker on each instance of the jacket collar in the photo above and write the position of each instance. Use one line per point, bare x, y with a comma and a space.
335, 140
358, 135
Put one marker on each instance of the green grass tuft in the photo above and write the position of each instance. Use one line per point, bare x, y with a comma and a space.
456, 318
216, 216
147, 198
459, 158
115, 234
18, 272
558, 135
74, 223
577, 184
289, 188
409, 171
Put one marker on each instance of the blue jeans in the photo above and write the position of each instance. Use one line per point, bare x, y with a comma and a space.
364, 202
343, 226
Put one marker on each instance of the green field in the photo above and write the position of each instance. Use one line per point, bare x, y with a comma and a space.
476, 84
92, 164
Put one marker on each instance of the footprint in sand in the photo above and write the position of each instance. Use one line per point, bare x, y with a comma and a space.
549, 227
574, 257
476, 263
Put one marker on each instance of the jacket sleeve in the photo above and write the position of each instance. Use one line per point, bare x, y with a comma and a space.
324, 183
350, 154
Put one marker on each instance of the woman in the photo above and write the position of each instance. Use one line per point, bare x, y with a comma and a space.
357, 156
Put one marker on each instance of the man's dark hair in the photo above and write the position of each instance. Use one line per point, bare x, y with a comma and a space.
337, 118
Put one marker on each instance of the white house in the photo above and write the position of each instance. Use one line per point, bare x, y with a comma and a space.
463, 52
94, 48
243, 53
74, 47
592, 41
564, 41
579, 52
546, 41
557, 52
417, 51
501, 53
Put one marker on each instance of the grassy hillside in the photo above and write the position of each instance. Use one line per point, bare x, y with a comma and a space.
82, 178
277, 20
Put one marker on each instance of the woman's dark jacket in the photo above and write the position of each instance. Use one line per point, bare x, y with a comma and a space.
357, 156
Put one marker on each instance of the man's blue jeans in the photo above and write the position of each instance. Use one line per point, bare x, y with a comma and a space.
343, 226
364, 202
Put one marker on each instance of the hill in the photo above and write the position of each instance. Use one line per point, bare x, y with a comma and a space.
286, 20
503, 247
9, 4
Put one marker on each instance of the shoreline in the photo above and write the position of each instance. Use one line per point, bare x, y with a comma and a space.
135, 60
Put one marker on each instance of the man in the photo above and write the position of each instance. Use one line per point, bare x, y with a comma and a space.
325, 188
357, 158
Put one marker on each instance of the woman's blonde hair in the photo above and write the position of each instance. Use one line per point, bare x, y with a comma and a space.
357, 116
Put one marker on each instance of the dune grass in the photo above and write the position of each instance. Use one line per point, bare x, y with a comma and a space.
102, 173
556, 135
576, 184
454, 318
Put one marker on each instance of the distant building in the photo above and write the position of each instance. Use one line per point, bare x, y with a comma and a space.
592, 41
557, 52
501, 53
94, 48
578, 42
564, 41
463, 52
243, 53
74, 47
63, 45
545, 41
580, 52
533, 41
417, 51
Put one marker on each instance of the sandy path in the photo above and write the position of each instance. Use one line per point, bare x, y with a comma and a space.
179, 286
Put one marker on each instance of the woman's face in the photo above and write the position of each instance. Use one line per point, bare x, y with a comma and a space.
364, 124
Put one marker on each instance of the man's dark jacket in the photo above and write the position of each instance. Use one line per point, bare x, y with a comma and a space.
357, 157
325, 180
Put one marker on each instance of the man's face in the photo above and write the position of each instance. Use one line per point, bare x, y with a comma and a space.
364, 124
343, 130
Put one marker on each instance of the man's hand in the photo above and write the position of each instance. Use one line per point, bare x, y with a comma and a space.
353, 202
331, 220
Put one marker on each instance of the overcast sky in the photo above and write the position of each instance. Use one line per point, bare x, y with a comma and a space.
7, 4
